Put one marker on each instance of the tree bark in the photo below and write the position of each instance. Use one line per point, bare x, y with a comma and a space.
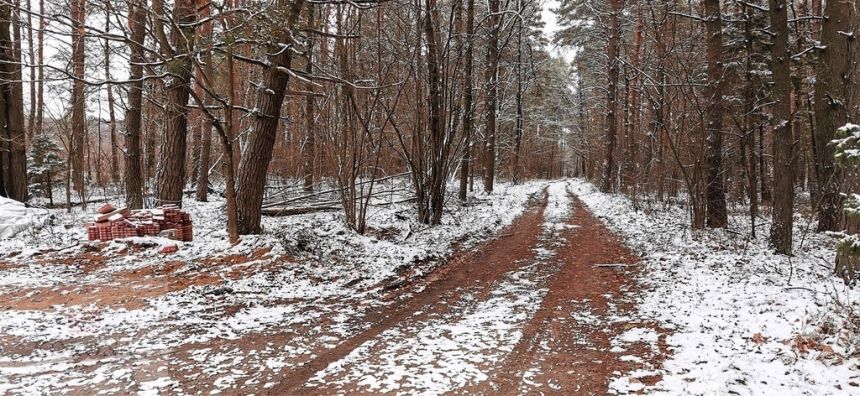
611, 97
783, 139
309, 151
518, 125
468, 112
79, 122
31, 122
13, 163
439, 163
134, 115
492, 100
832, 100
227, 137
748, 134
114, 144
205, 127
171, 164
630, 171
715, 190
40, 86
251, 179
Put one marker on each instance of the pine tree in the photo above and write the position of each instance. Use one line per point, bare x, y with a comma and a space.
45, 163
847, 147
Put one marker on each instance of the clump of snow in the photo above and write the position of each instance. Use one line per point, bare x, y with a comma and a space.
638, 334
16, 217
741, 318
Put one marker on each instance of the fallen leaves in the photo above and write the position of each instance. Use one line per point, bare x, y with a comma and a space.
805, 345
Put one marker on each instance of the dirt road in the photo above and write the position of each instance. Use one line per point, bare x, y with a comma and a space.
540, 309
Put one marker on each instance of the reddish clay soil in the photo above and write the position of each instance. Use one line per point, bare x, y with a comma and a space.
574, 355
132, 288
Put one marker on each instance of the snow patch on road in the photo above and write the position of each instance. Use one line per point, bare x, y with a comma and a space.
446, 353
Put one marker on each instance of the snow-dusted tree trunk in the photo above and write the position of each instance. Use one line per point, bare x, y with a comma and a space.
251, 179
205, 127
609, 166
178, 52
31, 52
748, 132
134, 115
783, 138
40, 61
79, 116
309, 151
715, 190
114, 144
837, 75
13, 151
492, 99
468, 105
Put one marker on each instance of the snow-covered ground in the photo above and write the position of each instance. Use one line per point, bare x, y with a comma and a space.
78, 317
743, 321
84, 317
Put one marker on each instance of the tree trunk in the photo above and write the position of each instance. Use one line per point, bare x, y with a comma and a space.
783, 139
205, 127
748, 134
832, 100
171, 164
227, 137
134, 115
31, 122
79, 122
611, 97
715, 191
630, 172
764, 182
114, 144
196, 124
518, 126
309, 151
40, 85
17, 186
254, 165
436, 122
468, 92
492, 100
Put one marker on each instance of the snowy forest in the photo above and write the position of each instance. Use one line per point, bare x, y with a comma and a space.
429, 197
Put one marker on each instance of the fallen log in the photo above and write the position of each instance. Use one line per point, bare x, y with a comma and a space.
277, 212
333, 190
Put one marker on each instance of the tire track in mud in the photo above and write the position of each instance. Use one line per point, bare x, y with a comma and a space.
568, 347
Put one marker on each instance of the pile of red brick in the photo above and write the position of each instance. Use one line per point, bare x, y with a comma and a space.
114, 223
